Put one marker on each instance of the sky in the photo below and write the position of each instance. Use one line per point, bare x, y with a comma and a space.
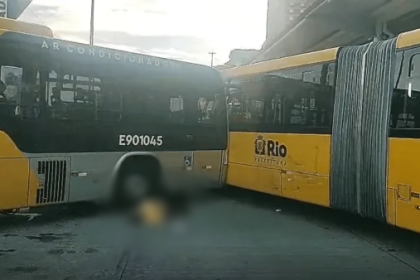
183, 29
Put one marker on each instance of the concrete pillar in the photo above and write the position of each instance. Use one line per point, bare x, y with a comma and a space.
13, 8
379, 26
382, 32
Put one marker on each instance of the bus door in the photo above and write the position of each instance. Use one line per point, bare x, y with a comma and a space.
208, 163
250, 166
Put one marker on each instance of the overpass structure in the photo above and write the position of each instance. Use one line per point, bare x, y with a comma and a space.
331, 23
14, 8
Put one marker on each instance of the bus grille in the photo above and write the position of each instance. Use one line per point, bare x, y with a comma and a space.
52, 175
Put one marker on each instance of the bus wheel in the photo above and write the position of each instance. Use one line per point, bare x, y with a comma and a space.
135, 186
131, 189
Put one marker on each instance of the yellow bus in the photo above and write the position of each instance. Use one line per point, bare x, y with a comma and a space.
87, 123
338, 128
11, 25
13, 195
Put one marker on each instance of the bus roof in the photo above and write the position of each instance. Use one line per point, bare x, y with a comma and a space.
12, 25
281, 63
111, 60
74, 51
408, 39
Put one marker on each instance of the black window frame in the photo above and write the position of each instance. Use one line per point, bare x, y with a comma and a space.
324, 74
402, 76
64, 66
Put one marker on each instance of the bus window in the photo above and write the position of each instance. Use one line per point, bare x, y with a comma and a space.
299, 103
218, 110
234, 98
177, 110
20, 96
308, 108
108, 101
405, 106
252, 102
141, 104
205, 106
180, 106
83, 98
330, 74
274, 110
12, 78
212, 109
312, 77
176, 104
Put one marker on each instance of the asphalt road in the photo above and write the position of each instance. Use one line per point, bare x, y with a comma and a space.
234, 235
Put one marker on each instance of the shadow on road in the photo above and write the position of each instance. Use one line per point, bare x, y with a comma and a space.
48, 214
386, 237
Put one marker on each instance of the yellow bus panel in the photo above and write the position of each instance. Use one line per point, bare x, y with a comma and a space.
25, 27
403, 179
408, 39
302, 174
14, 173
281, 63
391, 212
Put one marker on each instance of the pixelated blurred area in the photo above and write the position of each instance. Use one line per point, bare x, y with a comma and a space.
166, 206
152, 211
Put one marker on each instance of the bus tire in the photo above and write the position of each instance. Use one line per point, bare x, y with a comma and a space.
137, 179
131, 188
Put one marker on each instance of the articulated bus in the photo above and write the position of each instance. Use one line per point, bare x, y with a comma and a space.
338, 128
78, 122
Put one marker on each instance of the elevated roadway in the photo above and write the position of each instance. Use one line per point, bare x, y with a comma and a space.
331, 23
16, 7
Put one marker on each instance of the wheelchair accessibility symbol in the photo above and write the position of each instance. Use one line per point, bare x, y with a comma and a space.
188, 161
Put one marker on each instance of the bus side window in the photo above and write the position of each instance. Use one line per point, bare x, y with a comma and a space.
52, 82
206, 106
297, 102
135, 103
274, 105
308, 103
234, 103
405, 106
246, 106
176, 108
21, 94
252, 105
274, 109
73, 97
254, 110
312, 77
108, 101
12, 78
329, 74
142, 103
30, 95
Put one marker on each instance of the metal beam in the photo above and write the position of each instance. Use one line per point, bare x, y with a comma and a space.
16, 7
340, 38
344, 21
362, 25
395, 9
